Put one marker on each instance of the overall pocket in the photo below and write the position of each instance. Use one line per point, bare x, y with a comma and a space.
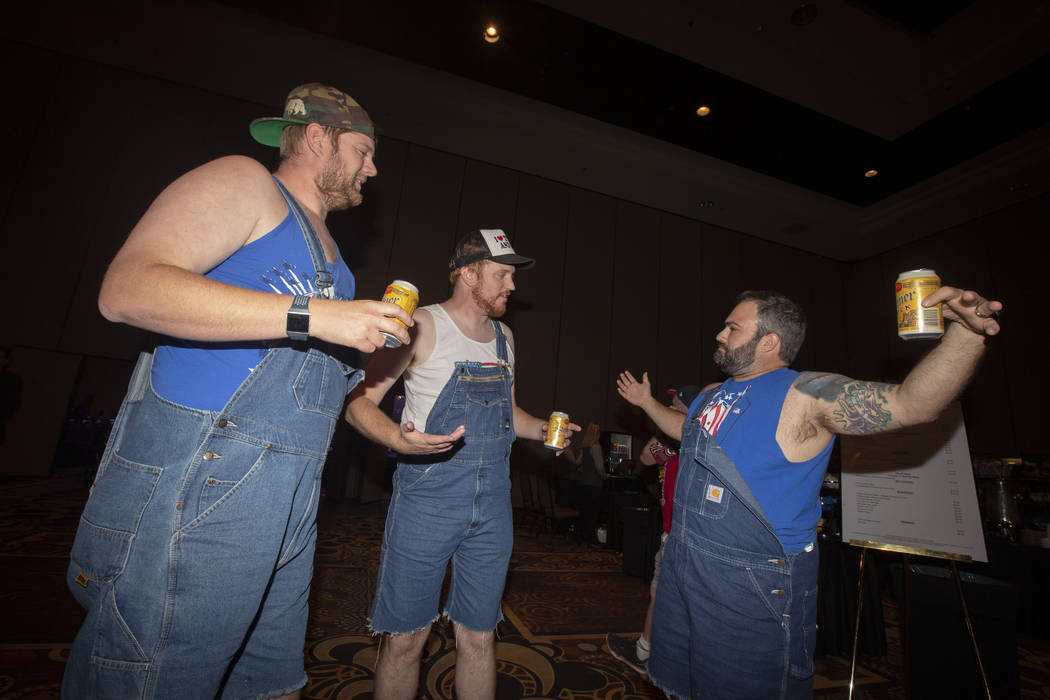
108, 525
321, 384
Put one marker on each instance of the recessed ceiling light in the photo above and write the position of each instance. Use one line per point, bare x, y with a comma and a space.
871, 173
491, 34
703, 110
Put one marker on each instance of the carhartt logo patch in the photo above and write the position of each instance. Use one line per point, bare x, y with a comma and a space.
81, 579
715, 493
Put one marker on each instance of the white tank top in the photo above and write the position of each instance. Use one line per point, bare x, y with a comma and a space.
425, 381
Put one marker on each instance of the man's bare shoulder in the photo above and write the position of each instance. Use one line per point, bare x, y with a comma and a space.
507, 332
423, 335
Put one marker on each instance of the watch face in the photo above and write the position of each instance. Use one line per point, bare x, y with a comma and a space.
298, 322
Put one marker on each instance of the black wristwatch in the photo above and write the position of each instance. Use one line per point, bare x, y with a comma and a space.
298, 322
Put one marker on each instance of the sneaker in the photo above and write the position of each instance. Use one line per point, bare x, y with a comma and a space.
625, 650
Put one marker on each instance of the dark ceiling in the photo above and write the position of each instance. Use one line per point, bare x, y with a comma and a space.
554, 57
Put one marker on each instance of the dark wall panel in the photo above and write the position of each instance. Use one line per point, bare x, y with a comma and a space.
719, 285
634, 321
869, 320
57, 201
585, 378
676, 302
539, 306
828, 310
427, 219
1013, 247
490, 199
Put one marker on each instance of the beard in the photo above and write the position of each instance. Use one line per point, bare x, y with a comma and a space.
337, 190
491, 307
733, 361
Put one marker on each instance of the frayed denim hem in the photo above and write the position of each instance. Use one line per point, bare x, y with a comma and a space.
278, 693
376, 632
664, 689
494, 628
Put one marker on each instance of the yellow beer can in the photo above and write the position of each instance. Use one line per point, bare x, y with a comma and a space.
557, 431
914, 321
405, 295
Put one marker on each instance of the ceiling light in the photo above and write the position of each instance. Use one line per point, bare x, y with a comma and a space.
491, 34
703, 111
871, 173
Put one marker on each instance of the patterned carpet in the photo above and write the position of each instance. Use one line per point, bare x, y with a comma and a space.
561, 599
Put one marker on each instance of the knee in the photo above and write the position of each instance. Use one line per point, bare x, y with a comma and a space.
406, 646
474, 642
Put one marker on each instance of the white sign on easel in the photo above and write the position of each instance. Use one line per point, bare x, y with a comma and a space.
912, 490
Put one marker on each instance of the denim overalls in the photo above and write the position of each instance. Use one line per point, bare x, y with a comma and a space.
195, 550
734, 617
454, 505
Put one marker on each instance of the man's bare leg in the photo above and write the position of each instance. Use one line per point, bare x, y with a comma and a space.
397, 665
475, 664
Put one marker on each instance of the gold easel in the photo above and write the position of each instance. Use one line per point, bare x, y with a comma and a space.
952, 559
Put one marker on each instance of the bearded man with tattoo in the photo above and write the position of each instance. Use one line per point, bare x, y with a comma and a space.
735, 611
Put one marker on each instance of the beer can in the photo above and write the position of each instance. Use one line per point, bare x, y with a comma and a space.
557, 431
913, 320
405, 295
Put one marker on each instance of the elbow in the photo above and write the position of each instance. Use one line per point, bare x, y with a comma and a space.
110, 306
921, 416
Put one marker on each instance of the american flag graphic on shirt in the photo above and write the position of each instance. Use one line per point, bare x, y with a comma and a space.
716, 410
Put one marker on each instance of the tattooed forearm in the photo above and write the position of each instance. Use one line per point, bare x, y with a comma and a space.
857, 407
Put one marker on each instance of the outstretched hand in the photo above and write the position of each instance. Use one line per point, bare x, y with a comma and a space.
967, 307
417, 442
631, 389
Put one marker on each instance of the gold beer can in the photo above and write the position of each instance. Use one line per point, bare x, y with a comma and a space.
913, 320
405, 295
557, 431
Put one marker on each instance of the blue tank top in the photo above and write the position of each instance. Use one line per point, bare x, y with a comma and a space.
204, 375
743, 418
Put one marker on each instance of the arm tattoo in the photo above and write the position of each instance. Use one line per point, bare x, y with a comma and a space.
857, 407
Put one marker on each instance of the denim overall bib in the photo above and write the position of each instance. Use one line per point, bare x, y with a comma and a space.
194, 553
735, 616
453, 506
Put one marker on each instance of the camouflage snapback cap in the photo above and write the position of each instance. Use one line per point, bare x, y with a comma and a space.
314, 103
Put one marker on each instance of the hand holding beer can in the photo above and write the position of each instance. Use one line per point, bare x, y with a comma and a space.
405, 295
913, 319
557, 431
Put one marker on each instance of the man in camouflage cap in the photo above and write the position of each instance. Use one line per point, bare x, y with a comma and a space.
194, 553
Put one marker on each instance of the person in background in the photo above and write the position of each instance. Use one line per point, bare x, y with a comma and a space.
589, 473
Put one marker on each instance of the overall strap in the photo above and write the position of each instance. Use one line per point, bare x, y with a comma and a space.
501, 341
702, 401
322, 277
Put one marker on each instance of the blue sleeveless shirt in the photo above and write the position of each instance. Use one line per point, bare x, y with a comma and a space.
204, 375
743, 418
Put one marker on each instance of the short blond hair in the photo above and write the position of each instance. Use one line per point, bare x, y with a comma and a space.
294, 135
475, 266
